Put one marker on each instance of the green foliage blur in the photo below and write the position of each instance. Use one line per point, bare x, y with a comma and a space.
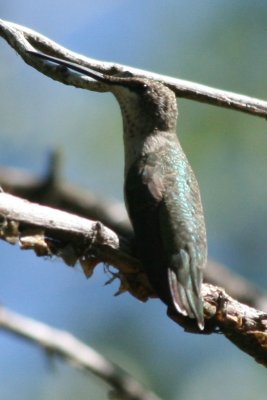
217, 43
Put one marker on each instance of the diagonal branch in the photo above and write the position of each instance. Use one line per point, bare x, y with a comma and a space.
52, 190
23, 39
49, 231
65, 345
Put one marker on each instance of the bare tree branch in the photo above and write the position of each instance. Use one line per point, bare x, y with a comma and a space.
236, 286
53, 232
23, 39
65, 345
48, 231
51, 190
244, 326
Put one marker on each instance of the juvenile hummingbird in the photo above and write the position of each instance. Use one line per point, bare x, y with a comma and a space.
161, 192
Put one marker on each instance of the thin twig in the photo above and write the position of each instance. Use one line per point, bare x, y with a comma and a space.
23, 39
65, 345
50, 231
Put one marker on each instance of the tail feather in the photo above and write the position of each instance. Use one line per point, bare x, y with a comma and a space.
185, 288
178, 295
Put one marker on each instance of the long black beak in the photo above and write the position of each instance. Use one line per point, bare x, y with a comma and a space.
76, 67
128, 82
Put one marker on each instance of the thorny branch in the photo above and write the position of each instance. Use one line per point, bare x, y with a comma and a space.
23, 39
52, 232
65, 345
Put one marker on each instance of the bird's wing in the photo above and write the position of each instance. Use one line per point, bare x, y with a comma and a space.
163, 234
181, 227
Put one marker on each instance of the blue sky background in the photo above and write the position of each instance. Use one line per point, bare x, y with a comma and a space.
221, 44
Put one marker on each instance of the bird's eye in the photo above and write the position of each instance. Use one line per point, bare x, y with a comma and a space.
143, 88
138, 86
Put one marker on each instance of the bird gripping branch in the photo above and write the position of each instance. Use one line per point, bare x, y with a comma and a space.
161, 192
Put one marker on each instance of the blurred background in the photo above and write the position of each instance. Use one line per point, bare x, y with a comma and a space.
217, 43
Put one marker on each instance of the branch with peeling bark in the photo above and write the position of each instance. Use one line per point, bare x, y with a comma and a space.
23, 39
52, 190
52, 232
65, 345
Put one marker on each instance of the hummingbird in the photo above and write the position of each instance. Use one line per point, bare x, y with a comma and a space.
161, 192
